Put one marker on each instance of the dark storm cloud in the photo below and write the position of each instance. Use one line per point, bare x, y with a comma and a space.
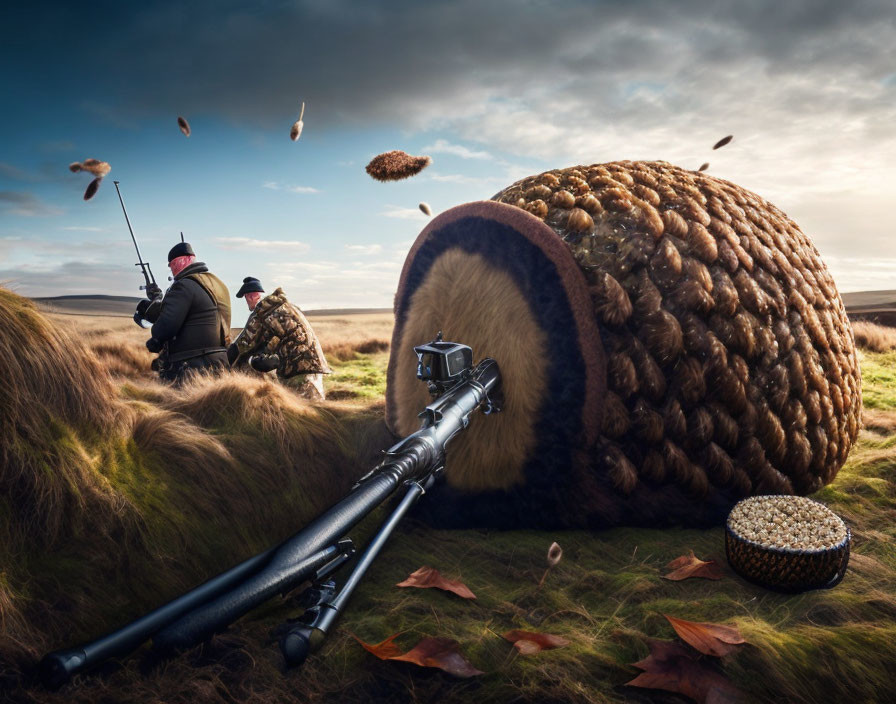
413, 64
25, 204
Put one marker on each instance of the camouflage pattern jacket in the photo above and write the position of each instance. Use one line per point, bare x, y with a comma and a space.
276, 326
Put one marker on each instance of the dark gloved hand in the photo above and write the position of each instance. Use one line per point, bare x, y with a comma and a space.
232, 353
265, 362
140, 312
153, 345
153, 291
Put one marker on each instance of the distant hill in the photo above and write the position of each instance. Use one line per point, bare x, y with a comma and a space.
875, 306
123, 306
115, 306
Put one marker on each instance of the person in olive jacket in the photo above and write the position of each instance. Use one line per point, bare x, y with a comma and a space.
192, 327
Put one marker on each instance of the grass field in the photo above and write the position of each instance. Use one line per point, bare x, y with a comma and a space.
607, 596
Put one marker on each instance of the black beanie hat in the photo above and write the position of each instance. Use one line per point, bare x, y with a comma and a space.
250, 285
181, 249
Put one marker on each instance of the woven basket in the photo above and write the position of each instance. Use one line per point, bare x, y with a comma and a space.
787, 569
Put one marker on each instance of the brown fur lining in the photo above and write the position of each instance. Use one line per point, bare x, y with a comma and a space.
542, 236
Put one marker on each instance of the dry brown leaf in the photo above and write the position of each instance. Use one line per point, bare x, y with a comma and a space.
673, 667
704, 167
708, 638
427, 577
396, 165
442, 653
529, 642
92, 188
184, 126
723, 141
425, 209
691, 566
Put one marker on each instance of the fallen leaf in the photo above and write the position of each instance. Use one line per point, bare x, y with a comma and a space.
396, 165
296, 131
427, 577
385, 650
184, 126
691, 566
424, 207
673, 667
442, 653
704, 167
555, 552
708, 638
723, 141
529, 642
92, 188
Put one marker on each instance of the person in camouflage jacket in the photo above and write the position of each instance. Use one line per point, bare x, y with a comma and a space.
278, 336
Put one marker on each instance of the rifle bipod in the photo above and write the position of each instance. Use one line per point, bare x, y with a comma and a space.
305, 635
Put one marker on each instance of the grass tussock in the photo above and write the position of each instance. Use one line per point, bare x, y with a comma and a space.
115, 496
344, 351
56, 397
121, 358
874, 337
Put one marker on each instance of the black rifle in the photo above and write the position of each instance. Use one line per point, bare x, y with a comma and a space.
150, 284
147, 311
320, 548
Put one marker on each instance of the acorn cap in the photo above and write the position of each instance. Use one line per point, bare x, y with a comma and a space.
250, 285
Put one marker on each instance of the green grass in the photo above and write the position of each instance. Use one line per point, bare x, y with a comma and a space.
878, 379
363, 377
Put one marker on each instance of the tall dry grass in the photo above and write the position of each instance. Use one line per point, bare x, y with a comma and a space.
874, 337
118, 492
54, 390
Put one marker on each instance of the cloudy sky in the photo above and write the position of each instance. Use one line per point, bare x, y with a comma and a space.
492, 91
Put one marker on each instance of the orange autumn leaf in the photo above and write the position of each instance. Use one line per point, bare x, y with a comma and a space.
674, 667
691, 566
427, 577
529, 642
385, 650
441, 653
708, 638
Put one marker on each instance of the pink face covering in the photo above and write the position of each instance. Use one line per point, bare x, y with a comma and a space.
178, 264
252, 299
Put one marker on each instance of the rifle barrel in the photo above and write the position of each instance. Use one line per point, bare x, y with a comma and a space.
412, 459
149, 277
59, 666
